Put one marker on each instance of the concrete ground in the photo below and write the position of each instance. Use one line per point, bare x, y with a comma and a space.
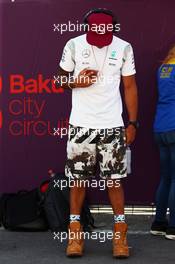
41, 248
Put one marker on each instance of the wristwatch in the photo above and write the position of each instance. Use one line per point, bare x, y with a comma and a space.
134, 123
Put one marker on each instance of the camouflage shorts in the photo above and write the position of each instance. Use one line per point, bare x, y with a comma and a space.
88, 147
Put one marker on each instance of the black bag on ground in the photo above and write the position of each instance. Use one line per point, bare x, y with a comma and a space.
57, 206
23, 211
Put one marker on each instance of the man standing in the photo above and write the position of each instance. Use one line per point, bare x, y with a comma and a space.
96, 61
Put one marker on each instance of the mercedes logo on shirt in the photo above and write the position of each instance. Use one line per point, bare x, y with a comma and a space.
86, 53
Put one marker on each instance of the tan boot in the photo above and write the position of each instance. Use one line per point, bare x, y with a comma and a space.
75, 243
120, 245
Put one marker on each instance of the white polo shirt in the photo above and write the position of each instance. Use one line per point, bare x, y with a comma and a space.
99, 105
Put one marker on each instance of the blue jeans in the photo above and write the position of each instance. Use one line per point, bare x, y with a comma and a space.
165, 196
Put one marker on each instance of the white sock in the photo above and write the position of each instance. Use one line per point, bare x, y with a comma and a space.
74, 218
119, 218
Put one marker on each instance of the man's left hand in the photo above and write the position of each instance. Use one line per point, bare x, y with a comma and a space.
130, 134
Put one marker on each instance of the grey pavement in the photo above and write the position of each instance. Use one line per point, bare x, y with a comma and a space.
41, 248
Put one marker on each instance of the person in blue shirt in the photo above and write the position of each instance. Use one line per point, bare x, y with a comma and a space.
164, 131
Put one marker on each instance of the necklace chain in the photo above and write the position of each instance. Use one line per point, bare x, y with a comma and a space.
103, 64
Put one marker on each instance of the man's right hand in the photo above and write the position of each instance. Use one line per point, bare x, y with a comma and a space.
85, 78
